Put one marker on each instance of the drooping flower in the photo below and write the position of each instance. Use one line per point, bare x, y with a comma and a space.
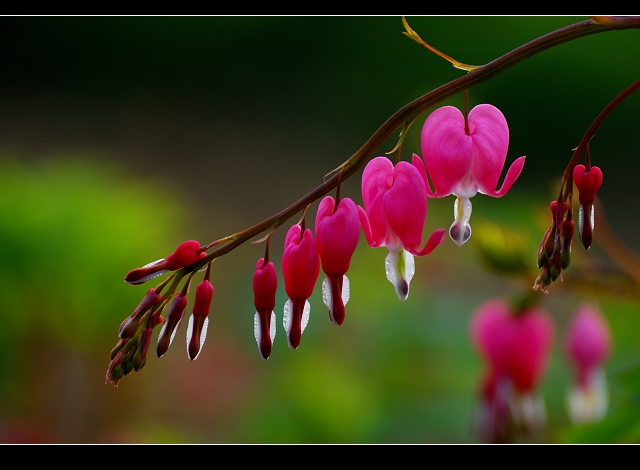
395, 209
466, 156
172, 322
187, 253
265, 285
515, 347
588, 345
300, 269
587, 182
199, 319
337, 233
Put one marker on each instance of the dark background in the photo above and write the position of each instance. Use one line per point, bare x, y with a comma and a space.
123, 136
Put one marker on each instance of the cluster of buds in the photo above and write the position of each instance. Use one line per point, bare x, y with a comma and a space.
135, 332
554, 254
515, 343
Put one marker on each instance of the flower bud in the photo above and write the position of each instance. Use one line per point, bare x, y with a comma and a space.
300, 267
130, 325
187, 253
199, 320
174, 316
587, 182
265, 284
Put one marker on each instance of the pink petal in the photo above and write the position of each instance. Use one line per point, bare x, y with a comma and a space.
446, 149
405, 205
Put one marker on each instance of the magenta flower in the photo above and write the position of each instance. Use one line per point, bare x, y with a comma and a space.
516, 348
337, 233
187, 253
395, 209
300, 269
588, 345
199, 319
464, 157
265, 285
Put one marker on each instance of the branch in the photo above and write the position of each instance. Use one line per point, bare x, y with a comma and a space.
410, 112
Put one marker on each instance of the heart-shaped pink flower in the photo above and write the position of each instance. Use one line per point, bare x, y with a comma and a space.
395, 209
466, 156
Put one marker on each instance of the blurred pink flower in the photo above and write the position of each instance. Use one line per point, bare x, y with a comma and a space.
395, 209
337, 233
516, 347
466, 156
588, 345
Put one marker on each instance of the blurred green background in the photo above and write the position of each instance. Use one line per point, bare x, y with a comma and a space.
121, 137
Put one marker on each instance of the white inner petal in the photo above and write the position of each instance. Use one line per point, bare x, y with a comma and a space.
203, 334
286, 318
345, 290
272, 327
153, 263
305, 315
148, 277
399, 273
327, 298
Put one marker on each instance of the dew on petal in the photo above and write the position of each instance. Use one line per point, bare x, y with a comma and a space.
189, 330
305, 315
581, 220
345, 290
257, 330
153, 263
286, 317
327, 298
148, 276
272, 327
203, 335
400, 271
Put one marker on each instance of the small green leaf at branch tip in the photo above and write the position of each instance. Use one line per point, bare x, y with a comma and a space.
403, 133
618, 22
458, 65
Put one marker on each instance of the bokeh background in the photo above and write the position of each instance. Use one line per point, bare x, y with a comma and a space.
121, 137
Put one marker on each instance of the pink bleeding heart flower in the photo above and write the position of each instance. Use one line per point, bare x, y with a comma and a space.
187, 253
300, 269
395, 209
516, 348
337, 233
172, 322
464, 157
265, 285
587, 182
199, 319
588, 345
